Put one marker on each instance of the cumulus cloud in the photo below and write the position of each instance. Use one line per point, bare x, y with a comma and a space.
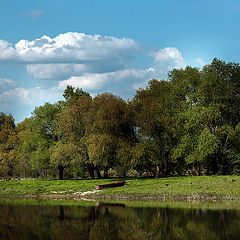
28, 96
71, 47
95, 81
77, 54
93, 62
7, 51
55, 70
164, 60
168, 58
21, 101
65, 70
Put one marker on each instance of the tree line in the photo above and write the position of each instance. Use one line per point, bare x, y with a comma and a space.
186, 124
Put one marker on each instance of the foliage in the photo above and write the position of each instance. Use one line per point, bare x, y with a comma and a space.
8, 139
188, 124
70, 92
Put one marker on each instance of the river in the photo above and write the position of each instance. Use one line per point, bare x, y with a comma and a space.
103, 221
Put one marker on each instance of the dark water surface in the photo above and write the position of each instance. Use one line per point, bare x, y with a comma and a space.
105, 222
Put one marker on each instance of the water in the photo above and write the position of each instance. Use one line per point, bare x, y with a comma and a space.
115, 221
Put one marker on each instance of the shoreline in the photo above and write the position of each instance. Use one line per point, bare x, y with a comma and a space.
132, 197
190, 202
201, 188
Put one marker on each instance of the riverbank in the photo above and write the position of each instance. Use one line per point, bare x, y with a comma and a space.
76, 202
192, 188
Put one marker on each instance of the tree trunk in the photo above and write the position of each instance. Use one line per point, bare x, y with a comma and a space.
225, 167
24, 172
158, 171
199, 169
36, 174
91, 170
105, 172
98, 172
60, 172
208, 170
10, 170
167, 172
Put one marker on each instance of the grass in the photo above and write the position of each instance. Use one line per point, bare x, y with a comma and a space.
224, 187
48, 187
183, 185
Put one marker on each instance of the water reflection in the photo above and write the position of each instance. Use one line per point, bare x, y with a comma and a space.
115, 221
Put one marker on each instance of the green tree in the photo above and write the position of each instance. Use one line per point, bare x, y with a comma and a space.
23, 148
154, 109
70, 92
41, 136
112, 125
8, 139
73, 125
210, 117
62, 156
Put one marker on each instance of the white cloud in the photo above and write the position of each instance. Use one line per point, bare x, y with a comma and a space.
20, 102
6, 84
71, 47
93, 62
168, 58
34, 14
164, 60
77, 54
55, 70
96, 81
66, 70
7, 51
128, 79
28, 96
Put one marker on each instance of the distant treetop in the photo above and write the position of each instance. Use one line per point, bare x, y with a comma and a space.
71, 92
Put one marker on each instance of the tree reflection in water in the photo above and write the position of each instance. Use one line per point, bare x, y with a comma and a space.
110, 221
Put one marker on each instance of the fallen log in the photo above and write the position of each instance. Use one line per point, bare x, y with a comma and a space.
110, 185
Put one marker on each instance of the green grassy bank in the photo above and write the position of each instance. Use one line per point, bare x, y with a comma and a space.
175, 188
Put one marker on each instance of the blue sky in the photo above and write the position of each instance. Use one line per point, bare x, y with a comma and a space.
106, 45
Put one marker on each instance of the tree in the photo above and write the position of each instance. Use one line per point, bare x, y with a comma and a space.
8, 138
24, 147
154, 109
41, 136
62, 155
198, 143
70, 92
189, 123
73, 125
210, 118
112, 124
124, 158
